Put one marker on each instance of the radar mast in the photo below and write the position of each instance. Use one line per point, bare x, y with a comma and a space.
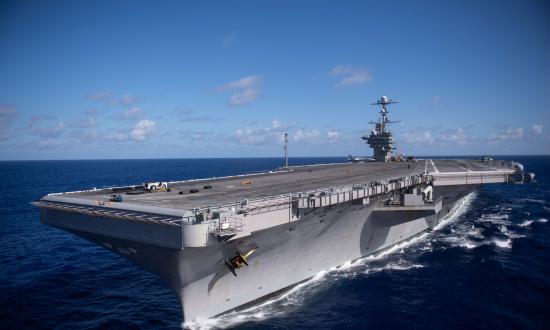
381, 138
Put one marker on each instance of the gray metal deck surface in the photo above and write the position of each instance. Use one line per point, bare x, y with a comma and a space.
301, 179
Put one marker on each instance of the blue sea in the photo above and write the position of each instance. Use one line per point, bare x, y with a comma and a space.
486, 267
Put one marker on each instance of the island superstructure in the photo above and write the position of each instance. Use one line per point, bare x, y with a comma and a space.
381, 138
223, 243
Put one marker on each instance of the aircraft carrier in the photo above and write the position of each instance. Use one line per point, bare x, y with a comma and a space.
224, 243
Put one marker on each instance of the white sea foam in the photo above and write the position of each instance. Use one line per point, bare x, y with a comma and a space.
526, 223
268, 308
498, 242
542, 220
459, 209
393, 266
534, 201
427, 247
507, 243
469, 244
496, 218
465, 234
345, 267
474, 232
503, 229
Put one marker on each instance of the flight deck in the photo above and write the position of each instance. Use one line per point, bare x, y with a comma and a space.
297, 179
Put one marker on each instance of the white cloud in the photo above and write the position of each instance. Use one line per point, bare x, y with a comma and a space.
5, 134
537, 129
125, 100
47, 132
200, 136
87, 136
307, 135
84, 123
206, 137
7, 114
100, 96
245, 90
244, 97
188, 115
509, 134
457, 137
333, 135
255, 134
143, 129
130, 114
262, 135
117, 136
93, 112
229, 39
109, 99
39, 118
418, 137
243, 83
436, 103
351, 75
436, 136
439, 137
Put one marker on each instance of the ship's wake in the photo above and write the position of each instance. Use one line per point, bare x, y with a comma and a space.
492, 227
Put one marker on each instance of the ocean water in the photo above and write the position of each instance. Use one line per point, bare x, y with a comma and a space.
487, 266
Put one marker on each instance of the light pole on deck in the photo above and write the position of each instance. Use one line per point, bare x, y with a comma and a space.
286, 150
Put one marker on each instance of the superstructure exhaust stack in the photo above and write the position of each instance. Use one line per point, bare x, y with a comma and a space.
381, 138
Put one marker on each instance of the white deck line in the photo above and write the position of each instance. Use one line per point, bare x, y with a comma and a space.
433, 165
441, 174
462, 167
492, 168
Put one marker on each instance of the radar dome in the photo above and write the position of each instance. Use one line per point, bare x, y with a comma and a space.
384, 99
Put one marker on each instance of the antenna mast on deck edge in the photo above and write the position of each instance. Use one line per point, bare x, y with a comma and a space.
286, 150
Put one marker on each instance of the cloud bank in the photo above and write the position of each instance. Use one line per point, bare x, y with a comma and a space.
245, 90
350, 75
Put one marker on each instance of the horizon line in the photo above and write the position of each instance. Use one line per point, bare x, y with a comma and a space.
262, 157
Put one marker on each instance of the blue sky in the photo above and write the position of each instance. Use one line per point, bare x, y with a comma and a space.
134, 79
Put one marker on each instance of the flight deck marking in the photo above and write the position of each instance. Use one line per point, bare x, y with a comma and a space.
491, 168
464, 168
433, 165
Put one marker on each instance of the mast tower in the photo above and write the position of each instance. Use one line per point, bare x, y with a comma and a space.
381, 138
286, 150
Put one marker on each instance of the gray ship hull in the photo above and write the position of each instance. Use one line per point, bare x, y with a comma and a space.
241, 238
284, 255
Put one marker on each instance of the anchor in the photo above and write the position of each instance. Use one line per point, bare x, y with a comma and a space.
239, 261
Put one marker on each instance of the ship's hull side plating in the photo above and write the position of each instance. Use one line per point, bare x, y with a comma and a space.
279, 256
